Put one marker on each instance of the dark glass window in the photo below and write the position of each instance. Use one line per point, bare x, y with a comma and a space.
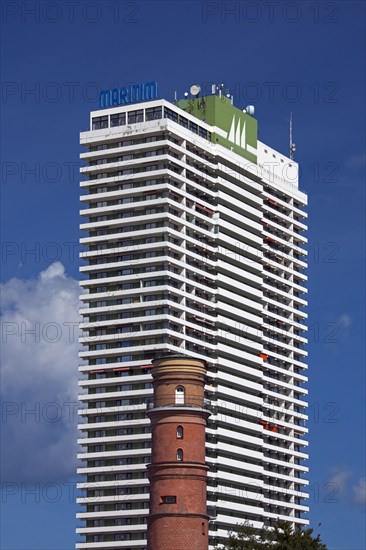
193, 127
99, 122
172, 115
169, 499
183, 122
118, 120
135, 116
154, 113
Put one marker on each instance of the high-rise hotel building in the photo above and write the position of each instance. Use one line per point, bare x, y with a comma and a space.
193, 236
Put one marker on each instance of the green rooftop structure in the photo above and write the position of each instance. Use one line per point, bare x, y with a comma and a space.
234, 129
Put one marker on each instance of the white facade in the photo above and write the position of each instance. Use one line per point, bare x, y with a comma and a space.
191, 249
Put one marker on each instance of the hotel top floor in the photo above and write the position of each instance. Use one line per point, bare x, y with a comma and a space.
211, 120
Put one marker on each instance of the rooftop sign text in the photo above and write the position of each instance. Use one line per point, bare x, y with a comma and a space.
133, 93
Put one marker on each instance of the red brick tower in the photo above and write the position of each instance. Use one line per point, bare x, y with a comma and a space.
178, 473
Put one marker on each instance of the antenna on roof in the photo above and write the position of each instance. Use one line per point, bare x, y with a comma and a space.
292, 144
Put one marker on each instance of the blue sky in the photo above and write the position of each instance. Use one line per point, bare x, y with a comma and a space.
305, 57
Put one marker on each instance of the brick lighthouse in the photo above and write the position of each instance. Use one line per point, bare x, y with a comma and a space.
178, 517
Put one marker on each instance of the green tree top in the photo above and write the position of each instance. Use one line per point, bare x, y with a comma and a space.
280, 537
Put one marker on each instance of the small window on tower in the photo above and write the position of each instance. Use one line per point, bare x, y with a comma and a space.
179, 395
179, 432
170, 499
179, 455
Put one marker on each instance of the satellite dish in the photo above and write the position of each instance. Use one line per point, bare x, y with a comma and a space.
250, 110
195, 89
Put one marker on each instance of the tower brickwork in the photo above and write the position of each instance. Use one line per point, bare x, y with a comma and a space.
178, 472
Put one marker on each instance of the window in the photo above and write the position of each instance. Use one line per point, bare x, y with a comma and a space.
152, 282
123, 506
122, 536
193, 127
123, 447
179, 432
124, 431
126, 286
125, 328
179, 395
101, 289
97, 449
151, 326
100, 122
125, 315
169, 499
123, 475
118, 120
101, 346
172, 115
180, 455
124, 491
183, 122
123, 461
123, 521
135, 116
154, 113
125, 416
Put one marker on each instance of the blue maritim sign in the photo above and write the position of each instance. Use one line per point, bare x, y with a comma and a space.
128, 94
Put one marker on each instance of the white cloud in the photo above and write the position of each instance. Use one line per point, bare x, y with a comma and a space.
39, 373
54, 270
340, 476
359, 492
